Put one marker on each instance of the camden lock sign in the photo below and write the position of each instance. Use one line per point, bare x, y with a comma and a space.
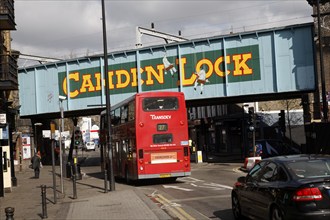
197, 69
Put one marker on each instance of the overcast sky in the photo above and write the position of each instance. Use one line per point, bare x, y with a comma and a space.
73, 28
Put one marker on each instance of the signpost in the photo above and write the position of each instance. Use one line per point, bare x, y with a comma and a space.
52, 131
3, 119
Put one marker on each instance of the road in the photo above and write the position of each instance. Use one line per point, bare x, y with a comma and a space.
207, 191
205, 194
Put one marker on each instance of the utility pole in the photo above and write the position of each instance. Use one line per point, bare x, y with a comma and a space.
62, 149
107, 96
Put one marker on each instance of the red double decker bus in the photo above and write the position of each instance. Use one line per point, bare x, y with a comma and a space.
149, 136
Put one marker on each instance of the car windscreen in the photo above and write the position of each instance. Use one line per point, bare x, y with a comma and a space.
310, 168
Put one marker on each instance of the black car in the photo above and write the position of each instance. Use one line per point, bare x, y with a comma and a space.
284, 187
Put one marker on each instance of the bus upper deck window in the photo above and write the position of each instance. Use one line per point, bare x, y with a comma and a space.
160, 104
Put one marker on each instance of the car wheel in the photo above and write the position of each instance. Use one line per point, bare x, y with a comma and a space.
276, 214
236, 207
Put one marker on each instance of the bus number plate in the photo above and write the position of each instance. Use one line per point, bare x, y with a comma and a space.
165, 175
167, 157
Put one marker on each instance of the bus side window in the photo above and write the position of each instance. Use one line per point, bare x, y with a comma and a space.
116, 117
124, 114
131, 111
124, 146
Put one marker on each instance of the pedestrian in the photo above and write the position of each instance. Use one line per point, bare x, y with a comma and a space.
35, 161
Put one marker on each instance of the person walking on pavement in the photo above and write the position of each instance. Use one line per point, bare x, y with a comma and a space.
35, 161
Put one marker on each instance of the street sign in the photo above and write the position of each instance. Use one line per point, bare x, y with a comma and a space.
3, 119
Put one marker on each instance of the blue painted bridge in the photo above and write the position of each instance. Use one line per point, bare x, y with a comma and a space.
255, 65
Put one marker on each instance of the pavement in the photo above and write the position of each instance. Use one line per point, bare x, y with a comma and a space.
91, 202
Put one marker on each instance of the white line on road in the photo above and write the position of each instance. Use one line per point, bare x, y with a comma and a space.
238, 170
201, 198
218, 185
207, 187
190, 180
177, 187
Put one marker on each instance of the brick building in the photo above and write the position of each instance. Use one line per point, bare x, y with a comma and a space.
8, 84
321, 15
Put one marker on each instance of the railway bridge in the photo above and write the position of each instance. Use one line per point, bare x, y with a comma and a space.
269, 64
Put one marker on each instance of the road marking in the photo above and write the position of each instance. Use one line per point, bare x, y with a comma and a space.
218, 185
238, 170
190, 180
214, 186
202, 198
171, 209
207, 187
177, 187
174, 207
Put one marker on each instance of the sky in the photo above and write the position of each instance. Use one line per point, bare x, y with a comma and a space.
66, 29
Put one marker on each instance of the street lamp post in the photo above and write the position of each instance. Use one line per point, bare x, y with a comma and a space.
61, 98
35, 136
107, 95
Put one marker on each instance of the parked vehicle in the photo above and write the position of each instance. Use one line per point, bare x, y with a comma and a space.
284, 187
271, 147
90, 146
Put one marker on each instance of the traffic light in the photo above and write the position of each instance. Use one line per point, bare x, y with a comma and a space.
251, 116
251, 119
281, 120
77, 137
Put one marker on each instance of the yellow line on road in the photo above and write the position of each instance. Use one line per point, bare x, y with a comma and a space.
170, 208
178, 211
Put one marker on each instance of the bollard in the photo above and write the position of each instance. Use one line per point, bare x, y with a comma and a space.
74, 186
43, 201
20, 161
105, 181
9, 213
